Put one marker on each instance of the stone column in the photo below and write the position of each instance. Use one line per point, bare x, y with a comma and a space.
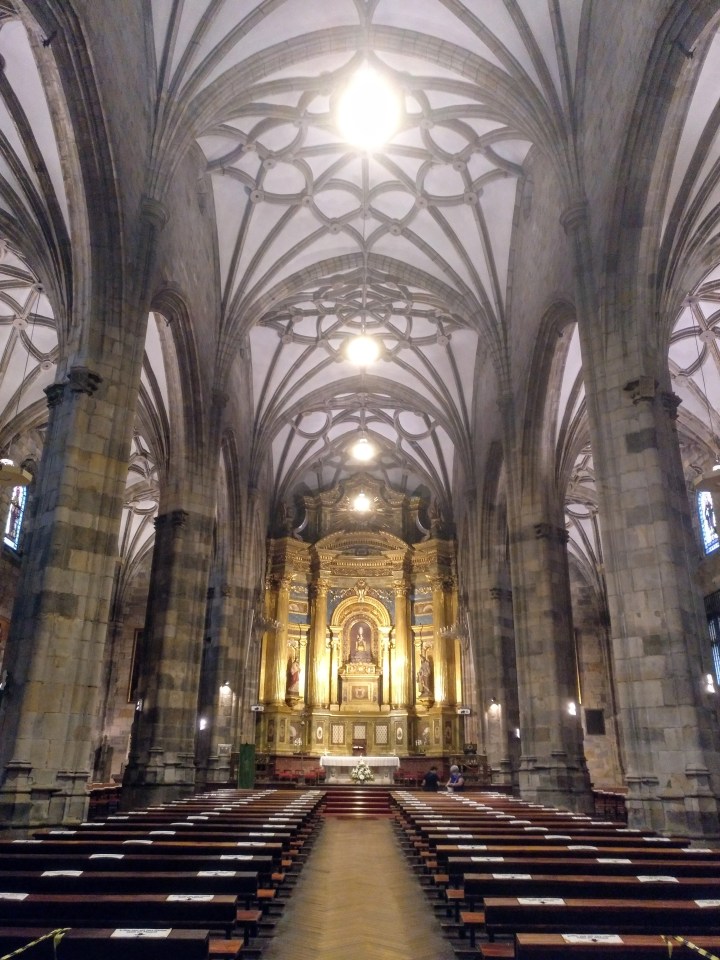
660, 644
660, 649
162, 758
218, 686
401, 668
49, 715
552, 764
319, 654
250, 634
500, 706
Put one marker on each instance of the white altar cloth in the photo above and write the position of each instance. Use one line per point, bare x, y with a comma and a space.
337, 769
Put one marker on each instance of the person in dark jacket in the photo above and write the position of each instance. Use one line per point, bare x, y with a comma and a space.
431, 780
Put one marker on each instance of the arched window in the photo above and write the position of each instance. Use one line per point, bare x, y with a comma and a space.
708, 522
13, 524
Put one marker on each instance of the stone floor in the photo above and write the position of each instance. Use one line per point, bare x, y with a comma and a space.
357, 899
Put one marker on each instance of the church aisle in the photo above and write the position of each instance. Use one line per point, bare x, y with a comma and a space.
357, 899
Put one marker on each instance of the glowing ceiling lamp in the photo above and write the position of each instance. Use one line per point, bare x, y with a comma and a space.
363, 450
362, 350
368, 111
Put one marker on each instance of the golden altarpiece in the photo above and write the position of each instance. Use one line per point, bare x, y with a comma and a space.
360, 658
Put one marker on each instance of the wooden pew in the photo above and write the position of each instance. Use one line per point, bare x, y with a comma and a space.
35, 860
511, 915
456, 866
211, 912
555, 946
479, 886
110, 944
241, 884
188, 847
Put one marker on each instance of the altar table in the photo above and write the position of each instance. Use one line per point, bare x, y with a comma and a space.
337, 769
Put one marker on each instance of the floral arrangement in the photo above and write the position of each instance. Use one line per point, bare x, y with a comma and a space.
361, 773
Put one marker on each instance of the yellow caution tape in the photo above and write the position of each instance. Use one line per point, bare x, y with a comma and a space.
56, 935
668, 941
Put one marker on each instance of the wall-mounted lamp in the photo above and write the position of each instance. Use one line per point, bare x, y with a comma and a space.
203, 723
517, 733
572, 708
494, 708
710, 683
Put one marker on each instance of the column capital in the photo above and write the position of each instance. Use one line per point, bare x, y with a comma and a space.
574, 216
670, 401
547, 531
499, 593
82, 379
55, 394
154, 212
642, 388
172, 519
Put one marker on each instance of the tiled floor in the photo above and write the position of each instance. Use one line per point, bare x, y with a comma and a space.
357, 899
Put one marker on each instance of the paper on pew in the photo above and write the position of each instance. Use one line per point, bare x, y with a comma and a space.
144, 933
512, 876
659, 879
708, 903
472, 846
162, 833
581, 846
189, 897
107, 856
216, 873
541, 901
236, 856
13, 896
613, 860
488, 859
61, 873
592, 938
62, 832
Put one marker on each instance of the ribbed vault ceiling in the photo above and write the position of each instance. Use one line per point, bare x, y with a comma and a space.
319, 241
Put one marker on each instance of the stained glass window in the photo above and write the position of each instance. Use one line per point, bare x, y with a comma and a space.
13, 524
708, 521
714, 628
